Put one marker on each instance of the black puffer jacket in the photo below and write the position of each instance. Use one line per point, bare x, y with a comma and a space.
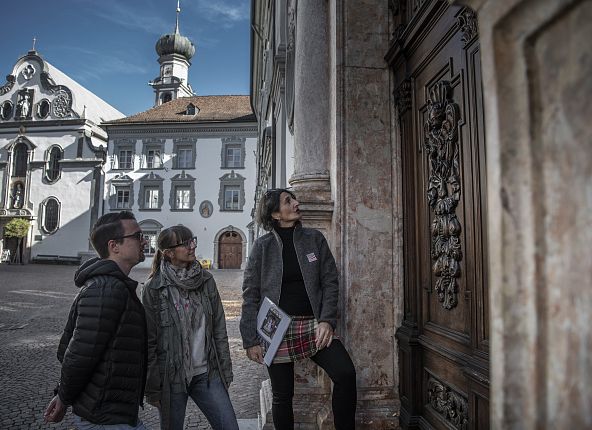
103, 348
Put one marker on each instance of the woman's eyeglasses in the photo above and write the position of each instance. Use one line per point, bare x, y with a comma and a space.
189, 243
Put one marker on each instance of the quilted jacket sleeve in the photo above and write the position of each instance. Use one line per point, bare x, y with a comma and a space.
98, 310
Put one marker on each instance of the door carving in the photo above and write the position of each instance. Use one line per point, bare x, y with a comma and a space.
444, 338
230, 254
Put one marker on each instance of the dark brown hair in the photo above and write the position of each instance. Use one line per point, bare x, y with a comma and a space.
167, 238
108, 227
268, 204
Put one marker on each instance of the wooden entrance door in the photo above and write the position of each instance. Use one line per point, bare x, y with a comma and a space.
444, 338
230, 254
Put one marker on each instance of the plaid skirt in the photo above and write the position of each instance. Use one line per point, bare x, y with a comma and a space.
299, 341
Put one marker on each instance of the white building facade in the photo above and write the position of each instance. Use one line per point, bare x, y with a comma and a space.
190, 161
50, 144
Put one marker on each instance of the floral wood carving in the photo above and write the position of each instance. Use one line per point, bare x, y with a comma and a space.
451, 405
467, 21
443, 193
10, 80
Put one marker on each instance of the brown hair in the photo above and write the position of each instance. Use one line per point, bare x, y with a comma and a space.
167, 238
108, 227
268, 204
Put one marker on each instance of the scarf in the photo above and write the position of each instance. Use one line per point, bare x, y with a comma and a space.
184, 283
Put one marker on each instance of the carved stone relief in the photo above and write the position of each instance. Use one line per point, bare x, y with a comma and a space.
290, 64
24, 104
28, 72
10, 80
452, 406
443, 191
467, 21
62, 103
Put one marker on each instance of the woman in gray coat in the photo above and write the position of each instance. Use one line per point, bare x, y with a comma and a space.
188, 351
293, 267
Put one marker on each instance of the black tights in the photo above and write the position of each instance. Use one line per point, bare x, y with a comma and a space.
336, 362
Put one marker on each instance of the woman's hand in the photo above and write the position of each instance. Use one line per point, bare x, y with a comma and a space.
155, 403
255, 353
324, 335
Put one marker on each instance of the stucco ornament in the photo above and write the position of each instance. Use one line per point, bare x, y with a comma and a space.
443, 193
61, 104
28, 72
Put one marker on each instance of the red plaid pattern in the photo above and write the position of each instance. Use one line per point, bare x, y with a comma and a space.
299, 341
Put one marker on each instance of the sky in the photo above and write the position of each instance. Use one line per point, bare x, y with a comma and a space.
107, 46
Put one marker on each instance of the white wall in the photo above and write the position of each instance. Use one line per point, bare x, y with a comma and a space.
207, 174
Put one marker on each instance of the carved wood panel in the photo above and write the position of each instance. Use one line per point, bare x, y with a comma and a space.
443, 340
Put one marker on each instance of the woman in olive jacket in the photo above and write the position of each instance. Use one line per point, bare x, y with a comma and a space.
188, 351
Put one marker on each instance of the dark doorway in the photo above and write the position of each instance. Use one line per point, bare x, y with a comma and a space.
230, 255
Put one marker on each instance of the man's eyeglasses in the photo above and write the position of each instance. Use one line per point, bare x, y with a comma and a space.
138, 235
189, 243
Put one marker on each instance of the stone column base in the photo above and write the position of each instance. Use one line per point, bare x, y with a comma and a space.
378, 409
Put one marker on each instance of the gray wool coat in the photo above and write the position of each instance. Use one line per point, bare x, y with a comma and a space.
165, 365
263, 278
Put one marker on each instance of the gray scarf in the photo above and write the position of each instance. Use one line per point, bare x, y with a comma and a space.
186, 281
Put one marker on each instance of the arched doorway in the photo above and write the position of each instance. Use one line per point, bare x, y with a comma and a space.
230, 250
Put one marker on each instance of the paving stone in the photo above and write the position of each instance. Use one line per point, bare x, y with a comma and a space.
38, 297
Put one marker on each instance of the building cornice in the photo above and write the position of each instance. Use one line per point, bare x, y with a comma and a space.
180, 129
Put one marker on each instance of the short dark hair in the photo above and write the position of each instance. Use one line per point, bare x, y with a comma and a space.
268, 204
108, 227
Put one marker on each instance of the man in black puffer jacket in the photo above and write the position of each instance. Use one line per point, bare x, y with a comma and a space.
103, 349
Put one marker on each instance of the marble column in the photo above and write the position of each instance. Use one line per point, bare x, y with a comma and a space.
537, 91
312, 108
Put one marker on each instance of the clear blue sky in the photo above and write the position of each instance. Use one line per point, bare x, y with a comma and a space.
108, 45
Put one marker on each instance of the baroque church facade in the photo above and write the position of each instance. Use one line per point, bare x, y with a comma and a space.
188, 160
442, 147
51, 142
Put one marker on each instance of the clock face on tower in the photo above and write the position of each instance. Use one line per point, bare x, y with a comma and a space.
167, 71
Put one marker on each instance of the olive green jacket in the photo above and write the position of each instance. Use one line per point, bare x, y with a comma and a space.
165, 365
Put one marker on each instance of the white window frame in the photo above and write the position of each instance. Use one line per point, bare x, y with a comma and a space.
123, 162
120, 203
232, 204
151, 197
182, 197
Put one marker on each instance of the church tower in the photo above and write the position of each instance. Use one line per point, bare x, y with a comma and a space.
174, 52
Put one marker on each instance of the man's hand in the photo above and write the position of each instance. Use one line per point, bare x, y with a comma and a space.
324, 335
255, 353
55, 411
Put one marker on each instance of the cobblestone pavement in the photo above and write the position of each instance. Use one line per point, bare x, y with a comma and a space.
34, 304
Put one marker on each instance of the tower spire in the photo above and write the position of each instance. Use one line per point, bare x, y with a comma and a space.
177, 24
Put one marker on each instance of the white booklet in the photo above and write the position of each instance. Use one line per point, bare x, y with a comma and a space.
272, 324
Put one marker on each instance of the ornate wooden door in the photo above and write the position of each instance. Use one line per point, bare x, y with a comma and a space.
444, 338
231, 251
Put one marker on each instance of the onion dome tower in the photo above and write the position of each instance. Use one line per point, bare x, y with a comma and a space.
174, 52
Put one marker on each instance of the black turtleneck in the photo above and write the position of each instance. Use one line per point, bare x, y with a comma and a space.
293, 299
